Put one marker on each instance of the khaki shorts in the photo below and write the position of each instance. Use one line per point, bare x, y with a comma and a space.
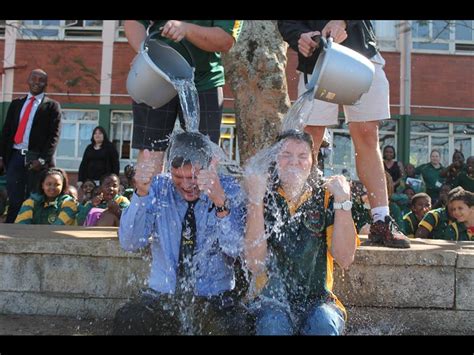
373, 105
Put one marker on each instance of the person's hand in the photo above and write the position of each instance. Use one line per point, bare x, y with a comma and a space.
35, 165
339, 187
255, 186
174, 30
336, 29
113, 207
97, 199
144, 173
208, 182
306, 45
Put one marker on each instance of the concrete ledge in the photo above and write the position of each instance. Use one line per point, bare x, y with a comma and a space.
79, 272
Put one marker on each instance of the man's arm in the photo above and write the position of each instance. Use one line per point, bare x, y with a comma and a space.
135, 33
209, 39
291, 31
54, 131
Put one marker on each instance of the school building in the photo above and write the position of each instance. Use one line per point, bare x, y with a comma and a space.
430, 70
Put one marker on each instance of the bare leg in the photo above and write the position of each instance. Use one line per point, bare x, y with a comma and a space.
369, 161
317, 132
371, 172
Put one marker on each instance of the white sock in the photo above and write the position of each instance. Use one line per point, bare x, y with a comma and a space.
379, 213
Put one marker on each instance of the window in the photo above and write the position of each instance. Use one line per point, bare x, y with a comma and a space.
76, 133
61, 29
426, 136
39, 29
120, 31
121, 130
443, 35
343, 152
83, 28
385, 30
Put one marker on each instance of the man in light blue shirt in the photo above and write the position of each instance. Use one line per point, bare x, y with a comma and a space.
158, 216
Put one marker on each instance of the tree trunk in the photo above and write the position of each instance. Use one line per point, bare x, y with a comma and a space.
255, 69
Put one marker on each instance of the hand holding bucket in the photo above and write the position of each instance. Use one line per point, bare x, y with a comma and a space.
340, 75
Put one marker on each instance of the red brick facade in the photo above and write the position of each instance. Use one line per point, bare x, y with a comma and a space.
75, 67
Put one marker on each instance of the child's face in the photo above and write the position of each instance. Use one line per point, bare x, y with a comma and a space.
470, 165
421, 207
87, 187
110, 187
460, 210
52, 186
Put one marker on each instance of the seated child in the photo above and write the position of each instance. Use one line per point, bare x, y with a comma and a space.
105, 207
461, 205
420, 205
52, 205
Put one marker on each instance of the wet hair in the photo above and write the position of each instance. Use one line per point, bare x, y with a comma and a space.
419, 196
102, 130
296, 135
54, 171
461, 195
189, 148
385, 148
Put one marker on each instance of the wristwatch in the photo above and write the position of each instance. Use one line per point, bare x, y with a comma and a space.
225, 207
345, 205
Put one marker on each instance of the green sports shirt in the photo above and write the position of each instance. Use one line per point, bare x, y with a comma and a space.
209, 71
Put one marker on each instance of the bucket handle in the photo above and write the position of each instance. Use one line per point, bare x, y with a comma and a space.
193, 62
323, 43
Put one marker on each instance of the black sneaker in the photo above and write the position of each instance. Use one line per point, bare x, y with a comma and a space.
387, 233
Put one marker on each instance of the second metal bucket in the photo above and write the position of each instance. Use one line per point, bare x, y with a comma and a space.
340, 75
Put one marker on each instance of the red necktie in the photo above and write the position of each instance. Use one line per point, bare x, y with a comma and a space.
24, 120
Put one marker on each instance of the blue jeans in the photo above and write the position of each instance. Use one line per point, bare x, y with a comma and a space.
321, 319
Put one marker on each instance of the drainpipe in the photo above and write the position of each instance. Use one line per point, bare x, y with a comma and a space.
405, 90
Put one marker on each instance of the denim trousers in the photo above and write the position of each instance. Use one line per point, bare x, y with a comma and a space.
320, 319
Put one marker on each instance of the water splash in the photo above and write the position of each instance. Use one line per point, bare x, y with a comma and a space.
189, 101
297, 116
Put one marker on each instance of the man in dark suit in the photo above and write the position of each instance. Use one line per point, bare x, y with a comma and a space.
28, 141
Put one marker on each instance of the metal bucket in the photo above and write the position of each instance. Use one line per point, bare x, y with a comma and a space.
149, 78
340, 75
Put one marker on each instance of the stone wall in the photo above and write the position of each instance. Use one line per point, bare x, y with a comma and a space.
73, 271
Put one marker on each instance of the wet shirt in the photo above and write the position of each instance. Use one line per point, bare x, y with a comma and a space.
209, 71
436, 222
156, 220
300, 266
60, 211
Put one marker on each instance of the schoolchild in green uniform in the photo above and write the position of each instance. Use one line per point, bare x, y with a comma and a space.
51, 205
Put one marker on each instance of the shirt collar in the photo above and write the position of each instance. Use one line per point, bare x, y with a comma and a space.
38, 97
